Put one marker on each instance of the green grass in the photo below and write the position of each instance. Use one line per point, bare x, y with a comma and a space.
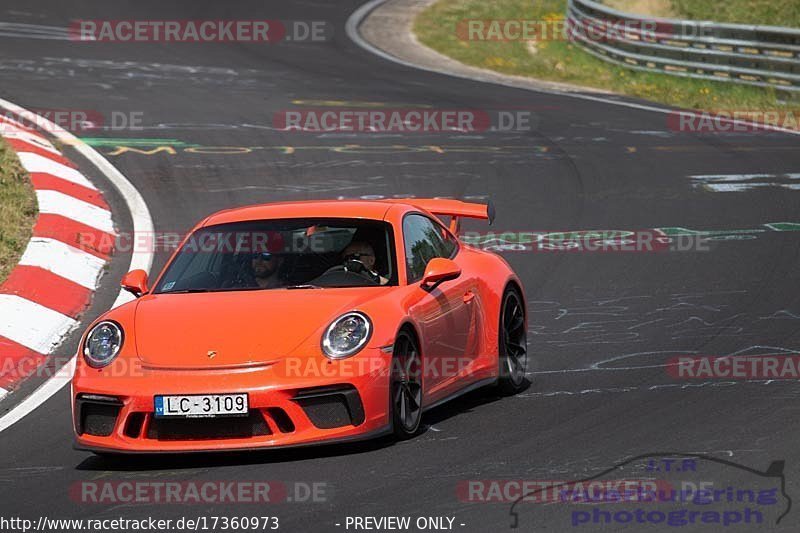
17, 210
558, 60
769, 12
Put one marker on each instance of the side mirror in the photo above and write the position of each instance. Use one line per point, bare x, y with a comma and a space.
135, 282
439, 270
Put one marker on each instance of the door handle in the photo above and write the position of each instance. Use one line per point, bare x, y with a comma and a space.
468, 297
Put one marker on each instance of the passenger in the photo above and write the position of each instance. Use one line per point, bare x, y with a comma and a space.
266, 268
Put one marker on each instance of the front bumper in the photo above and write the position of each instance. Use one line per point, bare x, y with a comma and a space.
339, 402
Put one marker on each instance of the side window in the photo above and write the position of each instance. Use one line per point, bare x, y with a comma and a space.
449, 244
424, 240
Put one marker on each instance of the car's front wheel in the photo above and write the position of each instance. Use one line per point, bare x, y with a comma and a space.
512, 344
406, 386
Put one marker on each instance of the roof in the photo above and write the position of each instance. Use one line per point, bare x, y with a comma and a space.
368, 209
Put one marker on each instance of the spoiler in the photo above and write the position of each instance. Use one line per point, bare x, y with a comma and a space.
456, 209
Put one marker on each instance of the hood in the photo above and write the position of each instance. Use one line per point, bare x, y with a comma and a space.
242, 327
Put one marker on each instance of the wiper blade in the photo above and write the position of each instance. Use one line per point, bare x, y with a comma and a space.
185, 291
304, 286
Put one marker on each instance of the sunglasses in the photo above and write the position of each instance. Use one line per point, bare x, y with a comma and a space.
264, 256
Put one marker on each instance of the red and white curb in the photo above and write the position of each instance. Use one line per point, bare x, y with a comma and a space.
142, 224
53, 283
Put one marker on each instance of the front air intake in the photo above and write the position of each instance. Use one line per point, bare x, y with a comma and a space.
230, 427
331, 407
96, 415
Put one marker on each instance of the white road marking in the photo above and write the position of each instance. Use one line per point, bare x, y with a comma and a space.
63, 260
10, 120
38, 163
3, 392
745, 182
32, 325
143, 258
58, 203
38, 397
35, 31
659, 387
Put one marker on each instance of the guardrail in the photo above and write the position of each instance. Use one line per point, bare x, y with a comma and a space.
765, 56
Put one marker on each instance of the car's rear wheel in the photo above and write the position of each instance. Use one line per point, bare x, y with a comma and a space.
512, 344
406, 386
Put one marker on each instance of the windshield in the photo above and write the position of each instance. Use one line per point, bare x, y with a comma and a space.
284, 253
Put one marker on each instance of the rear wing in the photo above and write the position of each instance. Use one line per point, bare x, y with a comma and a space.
455, 209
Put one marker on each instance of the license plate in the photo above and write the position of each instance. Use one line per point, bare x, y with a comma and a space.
202, 405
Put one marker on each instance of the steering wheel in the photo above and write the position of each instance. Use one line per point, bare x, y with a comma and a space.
351, 268
355, 265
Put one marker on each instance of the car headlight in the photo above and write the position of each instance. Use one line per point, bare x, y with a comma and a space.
346, 335
103, 344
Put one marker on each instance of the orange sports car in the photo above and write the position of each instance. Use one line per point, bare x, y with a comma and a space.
300, 323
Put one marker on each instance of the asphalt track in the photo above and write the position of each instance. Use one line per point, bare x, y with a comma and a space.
601, 323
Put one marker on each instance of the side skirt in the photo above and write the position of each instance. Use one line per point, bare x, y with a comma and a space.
469, 388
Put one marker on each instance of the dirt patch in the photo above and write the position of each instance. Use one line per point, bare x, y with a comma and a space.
655, 8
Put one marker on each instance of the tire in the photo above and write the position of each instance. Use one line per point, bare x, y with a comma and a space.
405, 390
512, 344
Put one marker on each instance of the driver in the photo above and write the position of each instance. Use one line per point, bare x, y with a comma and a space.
359, 256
